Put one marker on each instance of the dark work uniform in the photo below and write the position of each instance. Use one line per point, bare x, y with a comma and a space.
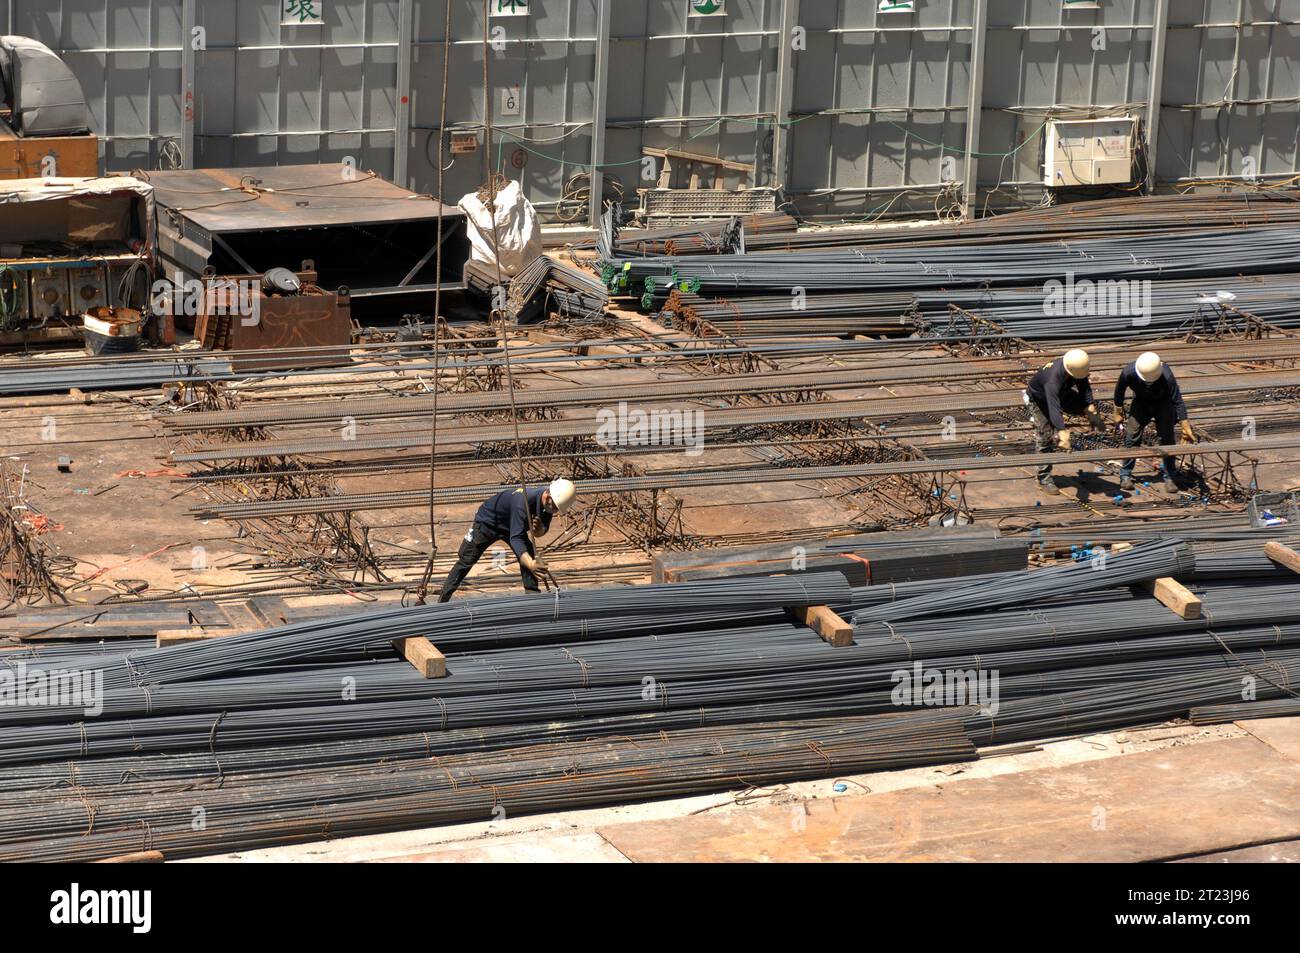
1052, 394
504, 516
1161, 401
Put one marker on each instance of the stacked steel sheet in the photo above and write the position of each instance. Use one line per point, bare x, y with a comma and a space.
603, 696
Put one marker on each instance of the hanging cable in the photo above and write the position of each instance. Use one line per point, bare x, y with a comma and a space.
503, 311
437, 314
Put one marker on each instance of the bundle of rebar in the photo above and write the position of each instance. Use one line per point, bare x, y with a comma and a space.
345, 801
1201, 253
598, 696
480, 620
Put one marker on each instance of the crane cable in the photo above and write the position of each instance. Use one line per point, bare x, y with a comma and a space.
423, 592
504, 311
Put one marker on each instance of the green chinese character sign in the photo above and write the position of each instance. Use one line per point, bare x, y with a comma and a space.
509, 8
302, 12
708, 8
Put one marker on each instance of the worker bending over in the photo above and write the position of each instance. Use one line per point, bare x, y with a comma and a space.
1060, 388
1156, 396
511, 515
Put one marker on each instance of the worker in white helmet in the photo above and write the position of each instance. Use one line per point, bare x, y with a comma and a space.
515, 517
1156, 396
1059, 388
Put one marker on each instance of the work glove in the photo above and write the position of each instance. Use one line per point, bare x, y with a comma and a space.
1094, 419
1117, 416
1185, 429
532, 563
1063, 441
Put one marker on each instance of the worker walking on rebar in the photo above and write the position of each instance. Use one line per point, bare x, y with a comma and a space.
1156, 396
1059, 388
516, 517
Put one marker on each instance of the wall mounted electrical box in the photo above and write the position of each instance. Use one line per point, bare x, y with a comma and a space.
1089, 151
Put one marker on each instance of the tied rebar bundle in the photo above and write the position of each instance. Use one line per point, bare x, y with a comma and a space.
499, 618
607, 696
1147, 561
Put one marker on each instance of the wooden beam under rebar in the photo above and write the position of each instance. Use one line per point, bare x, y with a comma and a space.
1283, 555
826, 623
1174, 596
423, 655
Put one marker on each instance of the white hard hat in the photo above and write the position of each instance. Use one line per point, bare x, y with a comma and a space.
563, 493
1149, 366
1077, 362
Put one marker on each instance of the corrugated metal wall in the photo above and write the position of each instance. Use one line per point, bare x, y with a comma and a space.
1231, 88
127, 55
267, 94
877, 104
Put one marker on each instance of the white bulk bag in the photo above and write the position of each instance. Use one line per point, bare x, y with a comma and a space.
517, 230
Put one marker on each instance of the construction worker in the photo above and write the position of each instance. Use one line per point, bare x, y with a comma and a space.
1156, 396
515, 517
1059, 388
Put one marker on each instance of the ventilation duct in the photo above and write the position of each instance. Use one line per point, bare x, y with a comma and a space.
44, 96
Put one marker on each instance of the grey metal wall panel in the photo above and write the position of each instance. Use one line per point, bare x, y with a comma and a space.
879, 100
273, 94
715, 76
1231, 88
549, 55
125, 54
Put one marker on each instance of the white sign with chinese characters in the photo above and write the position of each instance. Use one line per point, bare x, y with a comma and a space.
896, 6
707, 8
302, 12
509, 8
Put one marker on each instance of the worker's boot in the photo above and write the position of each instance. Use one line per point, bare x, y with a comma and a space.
1169, 486
1126, 481
1048, 485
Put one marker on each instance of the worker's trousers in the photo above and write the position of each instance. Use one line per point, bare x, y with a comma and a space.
1044, 437
1139, 415
472, 548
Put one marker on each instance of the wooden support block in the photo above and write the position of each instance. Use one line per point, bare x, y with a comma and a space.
170, 637
1175, 596
139, 857
1283, 555
424, 655
825, 623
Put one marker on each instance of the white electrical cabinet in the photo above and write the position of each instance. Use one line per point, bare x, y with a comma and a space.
1089, 151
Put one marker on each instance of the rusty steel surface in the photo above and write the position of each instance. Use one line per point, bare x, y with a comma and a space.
227, 200
311, 329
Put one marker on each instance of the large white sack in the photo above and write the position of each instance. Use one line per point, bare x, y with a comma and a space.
517, 229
